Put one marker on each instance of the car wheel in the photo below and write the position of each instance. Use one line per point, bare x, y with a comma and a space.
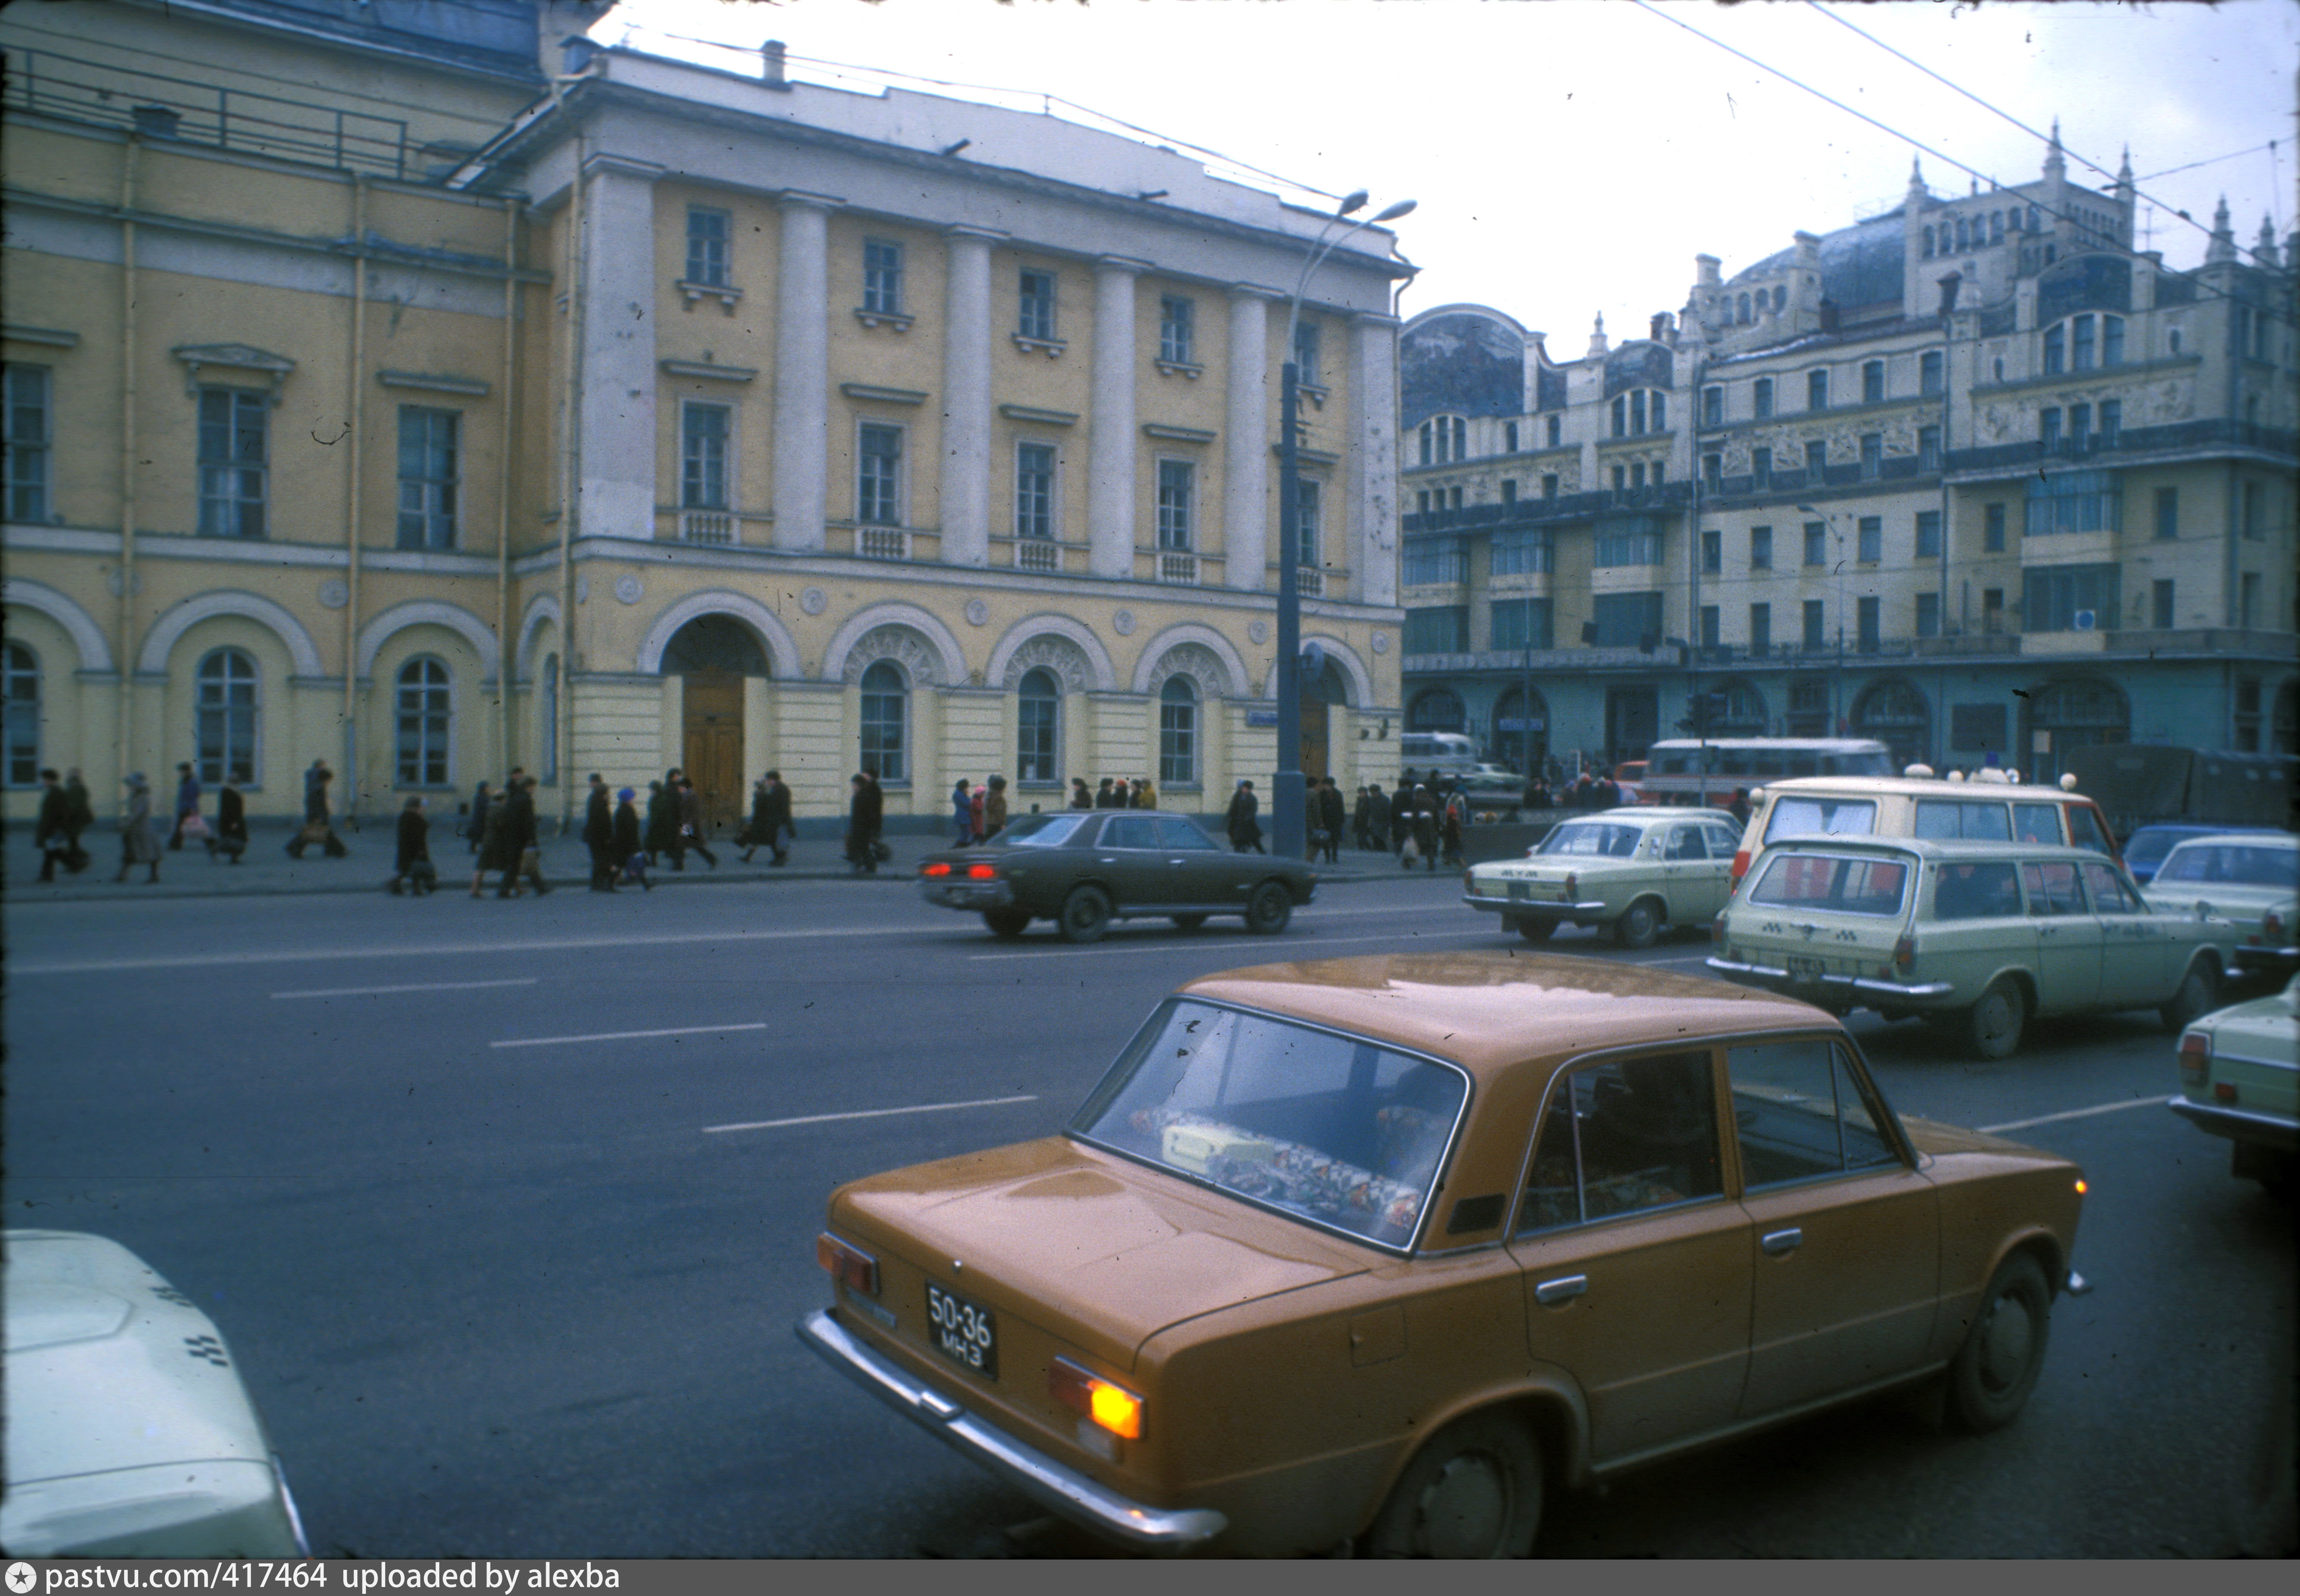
1992, 1026
1006, 923
2199, 995
1086, 914
1474, 1491
1189, 922
1638, 926
2003, 1349
1536, 928
1270, 908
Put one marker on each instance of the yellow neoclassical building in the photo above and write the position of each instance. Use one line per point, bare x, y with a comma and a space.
433, 402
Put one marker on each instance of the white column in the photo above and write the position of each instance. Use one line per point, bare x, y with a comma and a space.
966, 399
1111, 444
1246, 511
1372, 464
802, 371
615, 411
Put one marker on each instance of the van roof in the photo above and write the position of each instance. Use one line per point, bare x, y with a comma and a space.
1928, 786
1945, 849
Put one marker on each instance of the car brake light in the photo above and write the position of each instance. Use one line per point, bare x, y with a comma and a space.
850, 1267
2195, 1058
2273, 923
982, 872
1113, 1407
1717, 930
1572, 886
1904, 954
937, 869
1740, 865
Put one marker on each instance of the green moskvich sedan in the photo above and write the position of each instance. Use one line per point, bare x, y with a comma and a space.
1629, 871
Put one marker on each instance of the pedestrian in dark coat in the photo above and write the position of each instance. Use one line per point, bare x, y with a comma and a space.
138, 846
1740, 807
316, 828
81, 816
778, 817
1104, 798
1377, 817
1452, 819
526, 837
481, 797
1331, 815
599, 835
231, 821
1425, 827
188, 805
993, 807
865, 814
629, 847
499, 846
690, 821
662, 826
412, 864
1360, 811
1609, 793
962, 814
1244, 830
1080, 797
51, 835
316, 791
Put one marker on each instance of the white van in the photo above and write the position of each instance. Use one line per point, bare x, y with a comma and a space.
1992, 806
1449, 753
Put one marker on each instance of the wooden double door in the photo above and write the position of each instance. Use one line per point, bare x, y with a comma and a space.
714, 746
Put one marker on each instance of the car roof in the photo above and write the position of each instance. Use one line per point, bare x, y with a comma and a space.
2262, 838
1646, 811
1929, 786
1492, 1011
1941, 848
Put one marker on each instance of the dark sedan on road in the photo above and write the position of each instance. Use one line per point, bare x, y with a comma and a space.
1083, 869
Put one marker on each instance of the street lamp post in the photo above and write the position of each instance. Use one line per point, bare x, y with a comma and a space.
1288, 832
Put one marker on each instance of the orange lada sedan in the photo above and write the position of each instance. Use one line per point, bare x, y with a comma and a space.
1374, 1251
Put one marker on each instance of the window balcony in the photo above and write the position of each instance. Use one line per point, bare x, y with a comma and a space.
1178, 568
882, 543
707, 526
1041, 554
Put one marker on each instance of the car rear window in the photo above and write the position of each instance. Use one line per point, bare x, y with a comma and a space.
1831, 883
1979, 820
1040, 831
1799, 816
2231, 862
1603, 838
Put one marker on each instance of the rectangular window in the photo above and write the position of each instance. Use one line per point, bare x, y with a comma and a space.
1509, 440
1177, 490
2248, 600
424, 708
31, 438
2066, 598
2161, 610
1762, 397
1867, 621
1522, 623
1620, 478
2111, 340
1992, 529
1929, 534
1620, 412
1440, 629
2081, 347
2112, 422
1713, 407
1760, 548
429, 462
878, 476
1178, 736
1552, 432
1035, 315
1509, 490
1816, 464
1038, 720
1929, 449
1992, 612
1712, 550
1435, 560
703, 433
1930, 373
2048, 430
1176, 341
1631, 542
2168, 512
882, 276
1713, 471
1761, 630
706, 245
1657, 414
1034, 490
1637, 474
1549, 485
1710, 634
1873, 382
1627, 619
2080, 428
1929, 614
1816, 543
1816, 627
233, 469
1305, 353
1871, 532
1816, 390
2073, 502
1872, 455
1307, 543
2056, 351
1761, 469
1520, 554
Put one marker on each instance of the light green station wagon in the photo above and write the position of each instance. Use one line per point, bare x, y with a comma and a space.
1975, 937
1626, 871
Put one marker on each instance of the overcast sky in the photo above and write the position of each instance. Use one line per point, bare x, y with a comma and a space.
1572, 156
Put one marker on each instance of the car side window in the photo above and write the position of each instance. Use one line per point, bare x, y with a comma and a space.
2085, 830
2052, 888
1625, 1135
1982, 890
1177, 834
1799, 1113
2038, 823
1724, 844
2109, 896
1685, 842
1963, 818
1137, 832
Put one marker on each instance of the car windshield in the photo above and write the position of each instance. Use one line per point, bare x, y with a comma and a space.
1795, 816
2233, 863
1341, 1131
1604, 838
1040, 831
1831, 883
2147, 846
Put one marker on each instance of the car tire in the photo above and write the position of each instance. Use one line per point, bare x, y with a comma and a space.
1474, 1491
2003, 1349
1086, 914
1189, 922
1006, 923
2199, 995
1991, 1027
1639, 925
1536, 928
1269, 908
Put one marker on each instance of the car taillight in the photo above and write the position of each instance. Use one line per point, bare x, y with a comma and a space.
1572, 886
2195, 1058
982, 872
1717, 931
936, 868
1904, 954
1740, 864
1113, 1407
850, 1267
2272, 924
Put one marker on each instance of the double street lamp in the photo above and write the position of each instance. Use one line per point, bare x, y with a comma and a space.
1288, 827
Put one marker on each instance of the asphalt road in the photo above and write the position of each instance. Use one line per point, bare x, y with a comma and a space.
510, 1278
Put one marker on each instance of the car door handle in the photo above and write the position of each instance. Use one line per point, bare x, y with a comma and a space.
1561, 1290
1107, 858
1780, 1243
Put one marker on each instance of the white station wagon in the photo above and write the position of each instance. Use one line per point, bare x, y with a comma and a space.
1626, 871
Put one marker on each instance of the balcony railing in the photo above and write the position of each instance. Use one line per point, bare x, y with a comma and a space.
882, 543
707, 526
1309, 581
1178, 568
1039, 554
2124, 443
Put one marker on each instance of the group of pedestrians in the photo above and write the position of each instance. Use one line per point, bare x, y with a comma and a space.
979, 812
66, 813
1116, 792
504, 836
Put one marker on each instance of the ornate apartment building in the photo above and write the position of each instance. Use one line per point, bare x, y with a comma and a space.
400, 384
1974, 476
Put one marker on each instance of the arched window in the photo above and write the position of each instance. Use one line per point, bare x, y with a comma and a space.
1444, 440
1896, 715
1928, 243
1435, 710
1741, 713
886, 715
1741, 311
224, 737
546, 714
1038, 712
1964, 233
423, 710
1996, 227
1177, 732
20, 688
2073, 714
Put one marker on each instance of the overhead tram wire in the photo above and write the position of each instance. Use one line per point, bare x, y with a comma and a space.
2203, 290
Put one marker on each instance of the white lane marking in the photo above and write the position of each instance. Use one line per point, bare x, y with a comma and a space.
754, 1025
922, 1108
1171, 946
420, 987
442, 950
2106, 1108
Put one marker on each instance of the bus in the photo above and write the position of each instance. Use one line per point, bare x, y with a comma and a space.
1689, 771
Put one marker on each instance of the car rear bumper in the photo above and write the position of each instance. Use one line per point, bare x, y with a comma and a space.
1054, 1485
1919, 993
2240, 1125
2250, 961
967, 894
1525, 908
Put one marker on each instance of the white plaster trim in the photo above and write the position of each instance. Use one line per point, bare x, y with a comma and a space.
94, 653
842, 642
161, 640
418, 612
1104, 675
543, 607
1191, 631
1360, 679
782, 648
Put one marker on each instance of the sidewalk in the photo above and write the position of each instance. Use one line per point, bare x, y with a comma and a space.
265, 870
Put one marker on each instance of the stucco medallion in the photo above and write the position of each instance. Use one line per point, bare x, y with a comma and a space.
1122, 623
335, 595
630, 589
813, 601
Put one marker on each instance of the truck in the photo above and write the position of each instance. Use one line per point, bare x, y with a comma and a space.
2138, 784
